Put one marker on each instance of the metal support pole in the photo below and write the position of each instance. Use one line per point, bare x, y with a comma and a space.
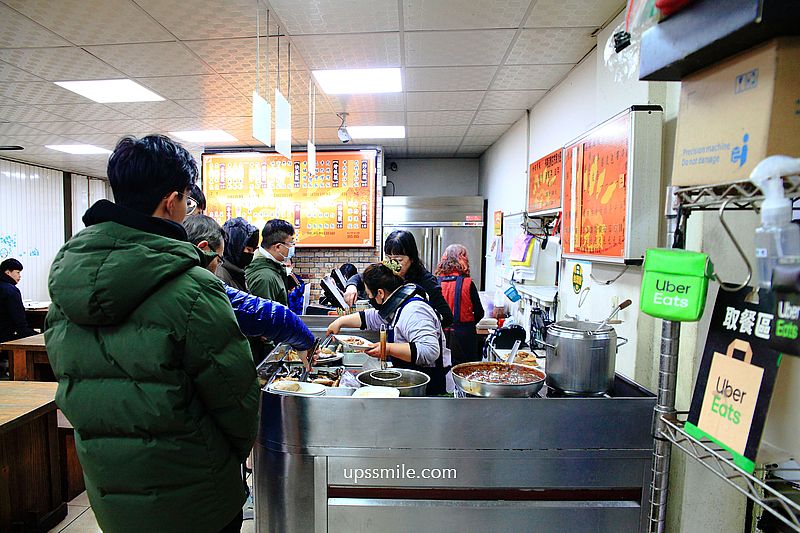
665, 404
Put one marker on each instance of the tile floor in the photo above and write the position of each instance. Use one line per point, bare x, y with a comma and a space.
80, 519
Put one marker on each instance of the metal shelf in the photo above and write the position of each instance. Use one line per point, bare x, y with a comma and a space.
765, 492
742, 194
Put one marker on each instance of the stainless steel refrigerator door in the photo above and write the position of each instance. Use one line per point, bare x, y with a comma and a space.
423, 236
470, 237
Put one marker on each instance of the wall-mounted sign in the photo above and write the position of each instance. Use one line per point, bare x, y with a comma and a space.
498, 223
544, 183
334, 208
601, 207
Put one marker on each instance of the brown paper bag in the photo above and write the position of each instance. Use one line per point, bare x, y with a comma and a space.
729, 402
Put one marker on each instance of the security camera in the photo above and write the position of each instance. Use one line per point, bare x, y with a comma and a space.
343, 134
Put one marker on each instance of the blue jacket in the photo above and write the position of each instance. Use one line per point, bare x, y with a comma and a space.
259, 317
13, 324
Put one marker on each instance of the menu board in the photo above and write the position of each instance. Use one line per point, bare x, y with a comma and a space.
595, 191
544, 183
333, 208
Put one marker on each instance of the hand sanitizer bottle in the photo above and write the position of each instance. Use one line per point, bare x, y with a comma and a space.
777, 237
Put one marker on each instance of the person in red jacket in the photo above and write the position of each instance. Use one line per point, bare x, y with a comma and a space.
461, 294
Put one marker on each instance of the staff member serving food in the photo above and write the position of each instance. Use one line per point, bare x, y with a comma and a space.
415, 336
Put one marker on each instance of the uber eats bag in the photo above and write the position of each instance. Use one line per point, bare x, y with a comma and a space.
675, 283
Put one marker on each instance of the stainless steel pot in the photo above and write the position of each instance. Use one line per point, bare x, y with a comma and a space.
462, 375
408, 382
581, 357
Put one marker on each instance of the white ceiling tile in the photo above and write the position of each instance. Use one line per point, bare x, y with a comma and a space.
511, 99
498, 116
228, 56
551, 45
444, 101
146, 110
487, 130
431, 151
449, 78
337, 16
35, 140
119, 127
446, 48
473, 148
64, 128
219, 107
122, 21
573, 13
43, 92
18, 31
59, 64
439, 118
395, 151
479, 140
436, 131
189, 87
375, 118
11, 128
104, 140
365, 50
443, 15
9, 73
526, 77
150, 59
437, 142
206, 19
27, 113
80, 112
362, 103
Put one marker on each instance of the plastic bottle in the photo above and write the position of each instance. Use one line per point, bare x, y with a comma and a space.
777, 237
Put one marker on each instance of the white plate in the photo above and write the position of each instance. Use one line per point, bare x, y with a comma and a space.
306, 389
376, 392
362, 343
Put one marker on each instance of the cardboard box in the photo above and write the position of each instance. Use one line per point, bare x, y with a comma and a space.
738, 112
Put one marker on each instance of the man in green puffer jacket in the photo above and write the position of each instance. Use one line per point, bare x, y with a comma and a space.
153, 371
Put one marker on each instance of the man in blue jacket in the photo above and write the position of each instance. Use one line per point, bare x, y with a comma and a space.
13, 324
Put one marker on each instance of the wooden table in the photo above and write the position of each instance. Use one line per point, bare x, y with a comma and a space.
35, 316
28, 360
30, 476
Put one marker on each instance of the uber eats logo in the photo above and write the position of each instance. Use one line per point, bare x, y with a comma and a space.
671, 294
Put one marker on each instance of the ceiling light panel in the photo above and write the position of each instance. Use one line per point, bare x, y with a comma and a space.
105, 91
78, 149
476, 47
330, 16
441, 15
377, 132
203, 136
359, 81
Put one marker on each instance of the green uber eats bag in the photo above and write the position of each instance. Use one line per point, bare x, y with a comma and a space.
675, 283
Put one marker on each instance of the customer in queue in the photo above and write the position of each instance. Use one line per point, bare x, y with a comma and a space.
462, 296
400, 246
257, 317
266, 274
153, 372
241, 242
415, 337
196, 194
13, 324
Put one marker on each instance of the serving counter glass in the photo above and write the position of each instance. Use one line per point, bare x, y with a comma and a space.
341, 464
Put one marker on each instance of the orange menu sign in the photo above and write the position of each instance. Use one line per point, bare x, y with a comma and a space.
595, 191
333, 208
544, 183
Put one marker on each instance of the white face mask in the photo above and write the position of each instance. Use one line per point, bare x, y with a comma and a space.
288, 271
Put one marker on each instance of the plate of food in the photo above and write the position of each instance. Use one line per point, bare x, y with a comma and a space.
523, 358
296, 388
327, 355
354, 342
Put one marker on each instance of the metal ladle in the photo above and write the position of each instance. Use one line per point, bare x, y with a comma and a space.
614, 312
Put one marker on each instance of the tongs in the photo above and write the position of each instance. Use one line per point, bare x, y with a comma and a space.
310, 358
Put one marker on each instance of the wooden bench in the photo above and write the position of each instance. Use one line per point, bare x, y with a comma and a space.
72, 483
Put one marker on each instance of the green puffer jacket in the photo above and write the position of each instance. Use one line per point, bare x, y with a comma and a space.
154, 375
267, 278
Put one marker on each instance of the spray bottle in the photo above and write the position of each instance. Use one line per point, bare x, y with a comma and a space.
777, 237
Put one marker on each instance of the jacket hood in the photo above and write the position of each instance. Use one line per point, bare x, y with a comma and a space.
239, 231
103, 273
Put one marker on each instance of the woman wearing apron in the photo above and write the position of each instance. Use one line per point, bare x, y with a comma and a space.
415, 336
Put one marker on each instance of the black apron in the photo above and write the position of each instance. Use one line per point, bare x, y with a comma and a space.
437, 373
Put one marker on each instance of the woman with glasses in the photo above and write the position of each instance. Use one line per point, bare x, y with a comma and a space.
401, 247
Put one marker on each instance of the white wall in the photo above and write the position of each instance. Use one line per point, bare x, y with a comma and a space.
433, 177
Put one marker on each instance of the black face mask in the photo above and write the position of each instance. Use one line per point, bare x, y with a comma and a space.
374, 303
245, 259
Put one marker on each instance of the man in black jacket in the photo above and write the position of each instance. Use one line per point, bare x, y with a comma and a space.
13, 324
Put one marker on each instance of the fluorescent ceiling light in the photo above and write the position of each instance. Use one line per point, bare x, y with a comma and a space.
81, 149
203, 136
377, 132
106, 91
360, 80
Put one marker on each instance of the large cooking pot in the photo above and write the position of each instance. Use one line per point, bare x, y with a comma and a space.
581, 357
408, 382
498, 380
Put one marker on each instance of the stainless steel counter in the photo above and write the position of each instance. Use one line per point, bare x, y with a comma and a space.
554, 464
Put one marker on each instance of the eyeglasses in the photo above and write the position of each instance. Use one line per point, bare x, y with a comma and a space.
191, 206
221, 260
288, 245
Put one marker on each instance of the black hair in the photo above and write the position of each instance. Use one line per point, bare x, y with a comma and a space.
275, 231
10, 264
379, 276
348, 270
401, 242
143, 171
197, 194
203, 228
